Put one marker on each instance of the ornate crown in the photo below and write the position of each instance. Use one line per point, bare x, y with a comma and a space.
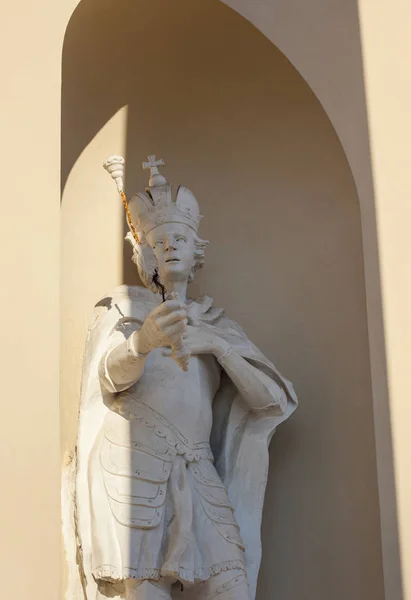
156, 206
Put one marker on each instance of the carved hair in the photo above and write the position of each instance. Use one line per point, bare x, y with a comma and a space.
145, 259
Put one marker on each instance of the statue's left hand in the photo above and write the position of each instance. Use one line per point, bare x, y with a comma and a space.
199, 340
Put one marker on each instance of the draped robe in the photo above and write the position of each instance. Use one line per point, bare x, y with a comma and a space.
240, 436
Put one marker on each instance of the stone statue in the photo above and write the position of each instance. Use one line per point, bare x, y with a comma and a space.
178, 408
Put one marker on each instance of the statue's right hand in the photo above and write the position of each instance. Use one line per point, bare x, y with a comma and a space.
164, 326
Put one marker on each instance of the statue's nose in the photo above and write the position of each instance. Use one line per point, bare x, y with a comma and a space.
170, 245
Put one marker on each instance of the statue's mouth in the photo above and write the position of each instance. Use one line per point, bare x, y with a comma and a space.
171, 260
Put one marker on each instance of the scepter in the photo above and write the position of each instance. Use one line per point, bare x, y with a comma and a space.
114, 165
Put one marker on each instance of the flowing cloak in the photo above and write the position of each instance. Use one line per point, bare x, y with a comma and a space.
239, 439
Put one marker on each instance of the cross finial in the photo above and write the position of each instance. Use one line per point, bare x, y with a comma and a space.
155, 177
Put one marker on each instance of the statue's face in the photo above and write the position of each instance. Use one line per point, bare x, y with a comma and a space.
173, 245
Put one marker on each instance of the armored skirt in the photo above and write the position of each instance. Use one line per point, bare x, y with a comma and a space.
159, 508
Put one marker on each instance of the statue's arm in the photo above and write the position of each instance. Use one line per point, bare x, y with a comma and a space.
258, 390
123, 365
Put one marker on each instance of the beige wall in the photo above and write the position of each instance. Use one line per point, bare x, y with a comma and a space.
91, 258
326, 45
387, 56
323, 42
29, 266
240, 127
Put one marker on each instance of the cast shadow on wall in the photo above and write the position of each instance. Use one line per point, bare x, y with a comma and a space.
238, 125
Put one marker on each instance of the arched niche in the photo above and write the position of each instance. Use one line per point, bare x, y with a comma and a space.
236, 123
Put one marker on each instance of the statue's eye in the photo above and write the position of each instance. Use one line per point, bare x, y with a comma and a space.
181, 239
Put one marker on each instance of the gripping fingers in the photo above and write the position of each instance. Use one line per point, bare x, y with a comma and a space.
169, 319
168, 306
174, 333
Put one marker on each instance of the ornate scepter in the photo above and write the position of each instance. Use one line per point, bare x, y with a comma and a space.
114, 165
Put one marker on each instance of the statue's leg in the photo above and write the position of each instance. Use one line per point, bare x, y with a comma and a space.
114, 591
147, 590
229, 585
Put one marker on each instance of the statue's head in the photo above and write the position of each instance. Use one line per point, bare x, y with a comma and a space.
169, 249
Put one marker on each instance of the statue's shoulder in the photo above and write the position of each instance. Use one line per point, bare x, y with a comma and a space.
129, 294
203, 309
123, 303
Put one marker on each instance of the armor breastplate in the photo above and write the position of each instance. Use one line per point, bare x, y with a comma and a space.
139, 452
136, 455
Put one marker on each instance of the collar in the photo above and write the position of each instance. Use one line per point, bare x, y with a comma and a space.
202, 309
199, 306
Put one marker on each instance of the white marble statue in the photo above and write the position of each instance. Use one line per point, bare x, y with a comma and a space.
178, 408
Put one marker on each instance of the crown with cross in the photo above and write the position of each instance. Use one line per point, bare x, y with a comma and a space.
156, 205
